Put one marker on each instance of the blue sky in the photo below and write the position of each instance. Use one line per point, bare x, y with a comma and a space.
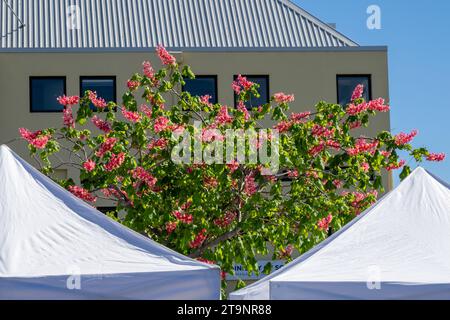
418, 36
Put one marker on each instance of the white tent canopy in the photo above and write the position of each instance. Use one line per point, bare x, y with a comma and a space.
48, 238
398, 249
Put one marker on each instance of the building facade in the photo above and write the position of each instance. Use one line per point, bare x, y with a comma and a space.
54, 47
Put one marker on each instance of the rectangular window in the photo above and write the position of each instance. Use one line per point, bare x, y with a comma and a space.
263, 81
347, 83
105, 86
201, 86
44, 91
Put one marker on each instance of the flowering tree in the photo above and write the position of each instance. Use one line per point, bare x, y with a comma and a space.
223, 212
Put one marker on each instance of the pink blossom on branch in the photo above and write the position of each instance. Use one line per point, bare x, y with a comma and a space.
378, 105
199, 239
99, 103
324, 223
223, 117
146, 110
89, 165
106, 147
250, 187
353, 109
171, 227
68, 120
241, 83
133, 84
82, 193
148, 70
36, 139
242, 108
115, 162
68, 100
395, 166
404, 138
358, 92
101, 124
141, 174
283, 98
226, 220
183, 217
161, 124
437, 157
166, 58
131, 116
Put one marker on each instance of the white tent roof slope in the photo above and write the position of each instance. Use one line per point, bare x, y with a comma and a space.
47, 234
398, 249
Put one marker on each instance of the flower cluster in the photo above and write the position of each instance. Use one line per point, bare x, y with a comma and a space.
106, 147
206, 100
358, 92
395, 166
146, 110
89, 165
131, 116
241, 83
295, 118
223, 117
324, 224
148, 70
166, 58
161, 124
68, 100
99, 103
82, 193
404, 138
362, 146
133, 84
293, 174
210, 182
233, 166
158, 143
199, 239
436, 157
250, 187
226, 220
101, 124
36, 139
115, 162
183, 217
141, 174
320, 131
242, 108
283, 98
68, 120
171, 227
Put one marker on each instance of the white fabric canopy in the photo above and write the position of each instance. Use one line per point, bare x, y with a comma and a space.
48, 237
398, 249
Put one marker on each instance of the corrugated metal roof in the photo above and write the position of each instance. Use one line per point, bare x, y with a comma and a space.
181, 24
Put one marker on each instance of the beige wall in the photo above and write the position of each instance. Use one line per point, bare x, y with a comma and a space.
310, 75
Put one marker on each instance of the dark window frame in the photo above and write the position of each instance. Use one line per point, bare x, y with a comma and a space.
206, 76
114, 78
353, 75
265, 76
30, 89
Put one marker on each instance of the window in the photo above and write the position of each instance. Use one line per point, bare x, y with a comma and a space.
105, 86
263, 90
202, 85
44, 91
347, 83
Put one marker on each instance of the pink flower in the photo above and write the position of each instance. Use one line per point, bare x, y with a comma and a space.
166, 58
206, 100
233, 166
141, 174
314, 151
353, 109
365, 167
183, 217
250, 187
171, 227
324, 223
36, 139
115, 162
82, 194
378, 105
209, 135
161, 124
242, 108
67, 101
319, 131
199, 239
293, 174
186, 205
333, 144
148, 70
436, 157
89, 165
101, 124
225, 220
131, 116
404, 138
99, 103
283, 126
146, 110
106, 147
338, 183
355, 124
223, 117
133, 84
283, 98
68, 120
395, 166
159, 143
385, 154
362, 146
241, 83
358, 92
298, 117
